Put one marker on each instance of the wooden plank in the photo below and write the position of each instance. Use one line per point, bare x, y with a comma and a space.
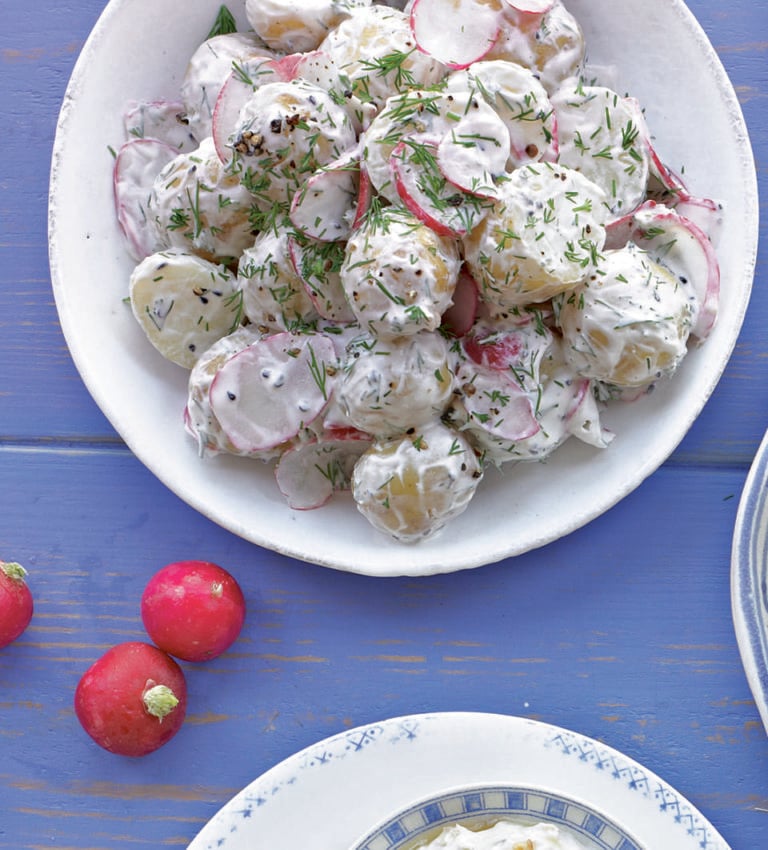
587, 633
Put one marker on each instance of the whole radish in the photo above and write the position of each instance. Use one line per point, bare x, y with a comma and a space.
193, 610
16, 604
132, 700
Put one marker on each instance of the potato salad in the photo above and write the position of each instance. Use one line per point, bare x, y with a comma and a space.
395, 243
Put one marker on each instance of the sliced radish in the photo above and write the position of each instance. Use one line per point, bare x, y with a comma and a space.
317, 264
704, 212
473, 29
234, 94
265, 394
583, 417
287, 67
498, 352
475, 152
496, 403
461, 315
427, 194
619, 231
317, 67
309, 473
325, 205
364, 196
682, 246
137, 164
163, 120
521, 101
662, 180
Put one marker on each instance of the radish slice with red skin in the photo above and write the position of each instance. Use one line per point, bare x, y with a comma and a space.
426, 193
670, 183
475, 152
519, 99
266, 393
475, 28
317, 264
137, 164
682, 246
325, 205
286, 67
496, 403
583, 417
503, 352
309, 473
461, 315
685, 249
619, 231
234, 94
704, 212
364, 196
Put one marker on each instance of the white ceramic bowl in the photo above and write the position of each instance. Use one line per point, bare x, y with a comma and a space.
480, 806
663, 58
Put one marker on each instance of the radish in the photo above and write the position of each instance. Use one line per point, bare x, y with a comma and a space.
234, 94
473, 31
325, 205
193, 610
132, 700
310, 473
16, 603
583, 416
364, 197
264, 395
163, 120
704, 212
461, 315
427, 194
318, 264
496, 403
682, 246
137, 164
602, 135
474, 154
521, 102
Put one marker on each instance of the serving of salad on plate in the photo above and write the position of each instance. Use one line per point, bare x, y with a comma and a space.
391, 254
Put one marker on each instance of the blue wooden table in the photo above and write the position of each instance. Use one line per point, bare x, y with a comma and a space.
621, 631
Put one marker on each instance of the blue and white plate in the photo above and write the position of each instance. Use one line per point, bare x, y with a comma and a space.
749, 578
478, 807
334, 792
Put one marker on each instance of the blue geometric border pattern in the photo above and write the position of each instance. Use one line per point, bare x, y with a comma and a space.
483, 806
332, 750
637, 779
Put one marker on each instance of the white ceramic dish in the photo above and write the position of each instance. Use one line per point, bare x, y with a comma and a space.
749, 578
143, 395
336, 791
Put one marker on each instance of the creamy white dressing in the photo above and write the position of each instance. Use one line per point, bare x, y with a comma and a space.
505, 835
313, 241
628, 326
398, 274
208, 68
196, 204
